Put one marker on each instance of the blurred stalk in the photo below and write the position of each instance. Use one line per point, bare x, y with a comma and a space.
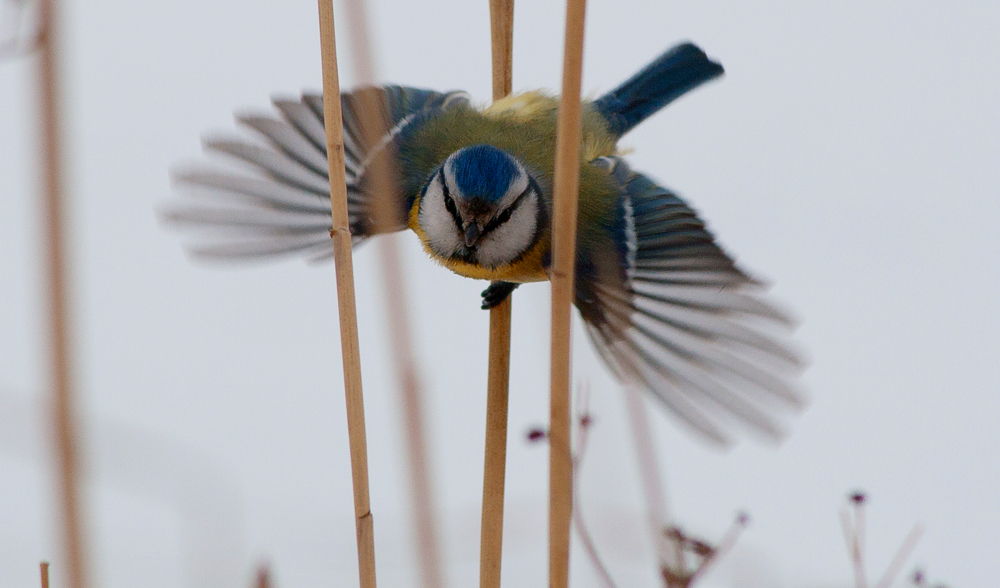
382, 173
60, 335
649, 472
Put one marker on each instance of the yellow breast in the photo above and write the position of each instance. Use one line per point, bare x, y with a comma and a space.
526, 269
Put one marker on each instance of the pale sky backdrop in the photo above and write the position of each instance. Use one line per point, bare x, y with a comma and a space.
851, 154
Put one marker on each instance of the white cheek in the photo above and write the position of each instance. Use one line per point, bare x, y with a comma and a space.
437, 223
504, 243
517, 187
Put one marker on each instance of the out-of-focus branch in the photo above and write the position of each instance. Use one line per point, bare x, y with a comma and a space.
61, 372
854, 529
575, 455
263, 579
649, 471
382, 172
901, 556
584, 422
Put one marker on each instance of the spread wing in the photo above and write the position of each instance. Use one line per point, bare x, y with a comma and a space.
273, 197
669, 311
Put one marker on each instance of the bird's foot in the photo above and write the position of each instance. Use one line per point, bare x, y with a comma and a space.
497, 293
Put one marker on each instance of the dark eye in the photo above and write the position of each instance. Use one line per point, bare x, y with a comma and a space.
450, 204
504, 216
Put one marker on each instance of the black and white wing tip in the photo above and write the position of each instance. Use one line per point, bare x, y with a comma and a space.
684, 322
269, 194
273, 196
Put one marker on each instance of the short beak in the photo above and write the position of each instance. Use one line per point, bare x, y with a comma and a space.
472, 233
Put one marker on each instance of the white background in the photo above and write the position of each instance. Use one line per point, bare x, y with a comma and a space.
850, 154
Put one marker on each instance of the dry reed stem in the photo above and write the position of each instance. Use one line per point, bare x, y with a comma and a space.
565, 187
498, 382
381, 174
502, 45
495, 458
44, 569
61, 366
347, 311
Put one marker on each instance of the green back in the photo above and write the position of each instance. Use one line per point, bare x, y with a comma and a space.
532, 141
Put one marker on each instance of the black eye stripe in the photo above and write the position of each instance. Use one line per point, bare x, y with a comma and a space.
506, 214
449, 203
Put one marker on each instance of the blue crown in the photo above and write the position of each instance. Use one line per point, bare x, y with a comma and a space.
483, 171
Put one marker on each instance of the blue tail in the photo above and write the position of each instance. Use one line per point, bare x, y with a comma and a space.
675, 72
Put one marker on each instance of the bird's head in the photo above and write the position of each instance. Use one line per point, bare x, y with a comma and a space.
482, 207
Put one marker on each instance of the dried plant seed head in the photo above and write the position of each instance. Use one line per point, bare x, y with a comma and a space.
675, 533
673, 579
536, 434
263, 576
702, 549
742, 518
858, 497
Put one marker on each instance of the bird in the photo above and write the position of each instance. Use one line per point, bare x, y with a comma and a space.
666, 308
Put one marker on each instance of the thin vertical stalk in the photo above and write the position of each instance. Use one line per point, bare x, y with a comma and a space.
901, 556
725, 544
580, 450
382, 175
859, 543
495, 460
422, 498
565, 188
649, 472
61, 361
263, 577
44, 569
502, 45
498, 382
850, 538
341, 233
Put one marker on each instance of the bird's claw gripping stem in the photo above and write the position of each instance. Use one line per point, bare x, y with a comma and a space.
497, 293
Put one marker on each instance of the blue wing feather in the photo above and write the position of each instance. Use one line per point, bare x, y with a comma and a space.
670, 76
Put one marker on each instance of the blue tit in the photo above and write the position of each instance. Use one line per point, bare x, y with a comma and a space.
666, 308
